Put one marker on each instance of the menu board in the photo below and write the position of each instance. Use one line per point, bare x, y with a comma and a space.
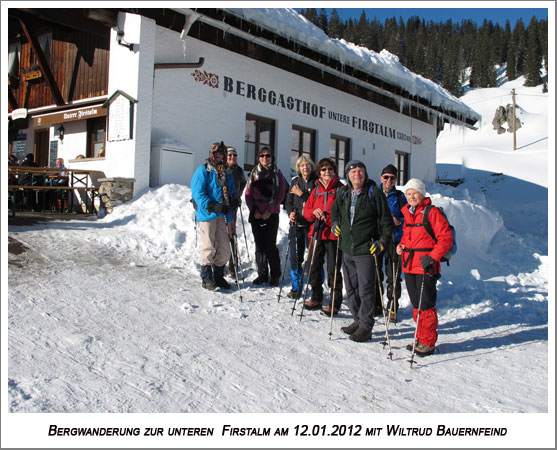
120, 119
53, 154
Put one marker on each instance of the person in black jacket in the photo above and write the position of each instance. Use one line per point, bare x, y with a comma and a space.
240, 182
300, 188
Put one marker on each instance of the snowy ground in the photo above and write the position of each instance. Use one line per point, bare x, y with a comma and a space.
108, 316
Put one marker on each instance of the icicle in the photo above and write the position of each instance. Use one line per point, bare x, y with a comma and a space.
190, 19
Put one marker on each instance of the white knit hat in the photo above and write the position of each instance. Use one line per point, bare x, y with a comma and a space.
416, 184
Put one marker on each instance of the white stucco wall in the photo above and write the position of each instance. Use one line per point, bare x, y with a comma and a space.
132, 73
195, 114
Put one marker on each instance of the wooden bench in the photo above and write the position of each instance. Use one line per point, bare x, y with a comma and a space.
45, 179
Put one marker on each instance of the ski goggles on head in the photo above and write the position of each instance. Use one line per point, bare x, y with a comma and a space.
218, 147
354, 165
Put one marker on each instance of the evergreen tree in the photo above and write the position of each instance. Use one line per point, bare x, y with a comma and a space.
533, 59
336, 28
311, 15
511, 61
322, 21
519, 38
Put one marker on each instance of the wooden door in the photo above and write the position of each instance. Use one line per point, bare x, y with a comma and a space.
41, 147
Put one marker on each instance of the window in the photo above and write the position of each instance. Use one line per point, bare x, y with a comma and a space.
303, 143
96, 137
260, 132
401, 163
340, 152
14, 54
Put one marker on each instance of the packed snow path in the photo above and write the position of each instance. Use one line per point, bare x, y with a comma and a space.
97, 329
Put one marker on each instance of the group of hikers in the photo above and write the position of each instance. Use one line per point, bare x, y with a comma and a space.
358, 228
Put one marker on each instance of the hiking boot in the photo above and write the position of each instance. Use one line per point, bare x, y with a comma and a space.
274, 282
207, 280
313, 304
218, 276
350, 329
410, 347
360, 335
222, 283
260, 280
232, 274
327, 311
293, 294
424, 350
208, 285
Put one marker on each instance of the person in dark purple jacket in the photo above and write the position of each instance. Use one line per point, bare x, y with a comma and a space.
265, 192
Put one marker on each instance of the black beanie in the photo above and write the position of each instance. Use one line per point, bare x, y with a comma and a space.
389, 169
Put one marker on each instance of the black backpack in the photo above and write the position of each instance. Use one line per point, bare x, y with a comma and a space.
427, 225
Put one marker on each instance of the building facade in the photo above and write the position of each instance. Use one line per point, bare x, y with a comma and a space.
178, 80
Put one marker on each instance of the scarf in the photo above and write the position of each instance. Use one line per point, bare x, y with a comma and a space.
259, 177
220, 169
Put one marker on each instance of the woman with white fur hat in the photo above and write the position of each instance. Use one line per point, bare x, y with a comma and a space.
420, 262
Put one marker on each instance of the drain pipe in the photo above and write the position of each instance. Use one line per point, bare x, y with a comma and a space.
267, 44
191, 17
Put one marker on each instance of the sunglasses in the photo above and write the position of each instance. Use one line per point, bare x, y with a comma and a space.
327, 169
232, 155
389, 177
265, 155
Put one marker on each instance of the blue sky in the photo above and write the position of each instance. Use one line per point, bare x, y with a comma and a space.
496, 15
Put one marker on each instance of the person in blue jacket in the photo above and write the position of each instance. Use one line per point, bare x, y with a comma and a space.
214, 193
396, 201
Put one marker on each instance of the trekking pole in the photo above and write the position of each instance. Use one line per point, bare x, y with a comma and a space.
388, 341
285, 259
234, 260
334, 289
239, 263
411, 361
245, 237
397, 273
315, 241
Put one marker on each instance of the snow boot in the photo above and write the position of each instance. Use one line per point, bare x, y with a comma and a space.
207, 278
360, 335
218, 273
293, 294
424, 350
350, 329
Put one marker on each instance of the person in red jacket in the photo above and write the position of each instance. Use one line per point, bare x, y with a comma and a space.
420, 262
318, 210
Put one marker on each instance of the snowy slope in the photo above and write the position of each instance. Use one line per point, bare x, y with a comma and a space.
108, 316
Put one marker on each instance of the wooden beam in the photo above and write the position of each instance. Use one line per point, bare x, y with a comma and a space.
12, 99
43, 63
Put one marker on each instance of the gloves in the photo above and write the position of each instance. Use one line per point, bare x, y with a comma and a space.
427, 263
377, 248
218, 208
234, 203
336, 230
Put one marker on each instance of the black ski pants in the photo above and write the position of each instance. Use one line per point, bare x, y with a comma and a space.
266, 251
326, 247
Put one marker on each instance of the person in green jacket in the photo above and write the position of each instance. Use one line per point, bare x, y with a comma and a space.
363, 222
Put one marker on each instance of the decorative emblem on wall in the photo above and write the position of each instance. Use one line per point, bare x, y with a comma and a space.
209, 79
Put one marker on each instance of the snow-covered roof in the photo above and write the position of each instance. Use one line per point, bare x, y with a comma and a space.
287, 23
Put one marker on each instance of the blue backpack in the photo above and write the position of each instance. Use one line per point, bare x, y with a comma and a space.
427, 225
